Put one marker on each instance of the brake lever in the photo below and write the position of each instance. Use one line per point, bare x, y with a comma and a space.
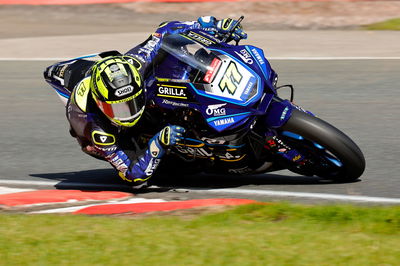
233, 30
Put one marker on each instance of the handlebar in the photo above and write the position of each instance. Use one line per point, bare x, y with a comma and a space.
233, 30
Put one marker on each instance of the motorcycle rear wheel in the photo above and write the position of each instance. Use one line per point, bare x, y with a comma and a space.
334, 142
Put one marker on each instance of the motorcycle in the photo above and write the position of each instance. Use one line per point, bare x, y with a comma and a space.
226, 97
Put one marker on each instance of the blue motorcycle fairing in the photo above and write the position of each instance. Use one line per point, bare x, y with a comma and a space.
220, 116
230, 80
262, 63
248, 53
247, 85
278, 113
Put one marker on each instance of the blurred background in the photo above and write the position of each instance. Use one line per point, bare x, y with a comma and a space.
30, 18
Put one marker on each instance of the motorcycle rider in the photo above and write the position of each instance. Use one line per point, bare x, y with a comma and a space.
106, 110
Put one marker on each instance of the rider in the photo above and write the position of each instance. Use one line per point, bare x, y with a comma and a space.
106, 110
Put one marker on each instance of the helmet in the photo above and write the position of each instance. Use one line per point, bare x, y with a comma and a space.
116, 86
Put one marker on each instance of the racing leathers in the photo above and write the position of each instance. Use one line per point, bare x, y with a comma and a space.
134, 157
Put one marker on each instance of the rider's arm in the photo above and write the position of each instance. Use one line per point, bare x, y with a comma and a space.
147, 51
96, 140
139, 169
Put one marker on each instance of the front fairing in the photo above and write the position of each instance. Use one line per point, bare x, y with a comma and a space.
229, 85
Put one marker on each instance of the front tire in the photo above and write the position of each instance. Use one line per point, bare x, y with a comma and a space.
333, 140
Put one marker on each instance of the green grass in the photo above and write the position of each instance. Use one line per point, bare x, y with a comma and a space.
392, 24
279, 234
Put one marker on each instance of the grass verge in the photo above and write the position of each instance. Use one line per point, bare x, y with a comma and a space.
278, 234
392, 24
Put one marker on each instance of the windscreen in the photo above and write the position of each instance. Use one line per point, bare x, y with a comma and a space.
191, 60
214, 74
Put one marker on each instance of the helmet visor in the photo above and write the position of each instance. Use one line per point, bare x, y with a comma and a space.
123, 111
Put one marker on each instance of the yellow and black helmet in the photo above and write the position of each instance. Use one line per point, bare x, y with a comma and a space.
117, 88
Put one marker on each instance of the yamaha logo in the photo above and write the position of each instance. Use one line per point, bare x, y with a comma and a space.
124, 91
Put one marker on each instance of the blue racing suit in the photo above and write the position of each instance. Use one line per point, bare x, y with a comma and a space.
124, 148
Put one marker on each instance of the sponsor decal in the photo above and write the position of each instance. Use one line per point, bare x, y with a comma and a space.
154, 149
248, 88
124, 91
119, 164
228, 157
297, 158
213, 141
102, 138
198, 152
211, 37
165, 101
109, 149
150, 46
62, 71
216, 109
258, 56
172, 91
153, 163
173, 80
245, 56
212, 70
133, 60
200, 38
284, 113
224, 121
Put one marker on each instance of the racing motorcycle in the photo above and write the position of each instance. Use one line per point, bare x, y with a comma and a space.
226, 97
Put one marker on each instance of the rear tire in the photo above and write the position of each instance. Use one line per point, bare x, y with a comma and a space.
333, 140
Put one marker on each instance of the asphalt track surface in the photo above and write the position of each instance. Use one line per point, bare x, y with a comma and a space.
361, 97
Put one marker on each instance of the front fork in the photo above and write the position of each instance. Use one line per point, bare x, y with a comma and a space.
278, 113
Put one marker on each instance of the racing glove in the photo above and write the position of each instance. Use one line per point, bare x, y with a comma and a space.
167, 137
224, 26
171, 135
208, 23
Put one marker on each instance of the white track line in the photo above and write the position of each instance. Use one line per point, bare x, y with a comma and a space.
76, 208
246, 192
324, 196
294, 58
7, 190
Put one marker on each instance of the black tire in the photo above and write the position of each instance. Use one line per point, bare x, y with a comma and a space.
334, 140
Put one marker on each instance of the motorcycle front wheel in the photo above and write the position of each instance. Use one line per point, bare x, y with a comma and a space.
331, 153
